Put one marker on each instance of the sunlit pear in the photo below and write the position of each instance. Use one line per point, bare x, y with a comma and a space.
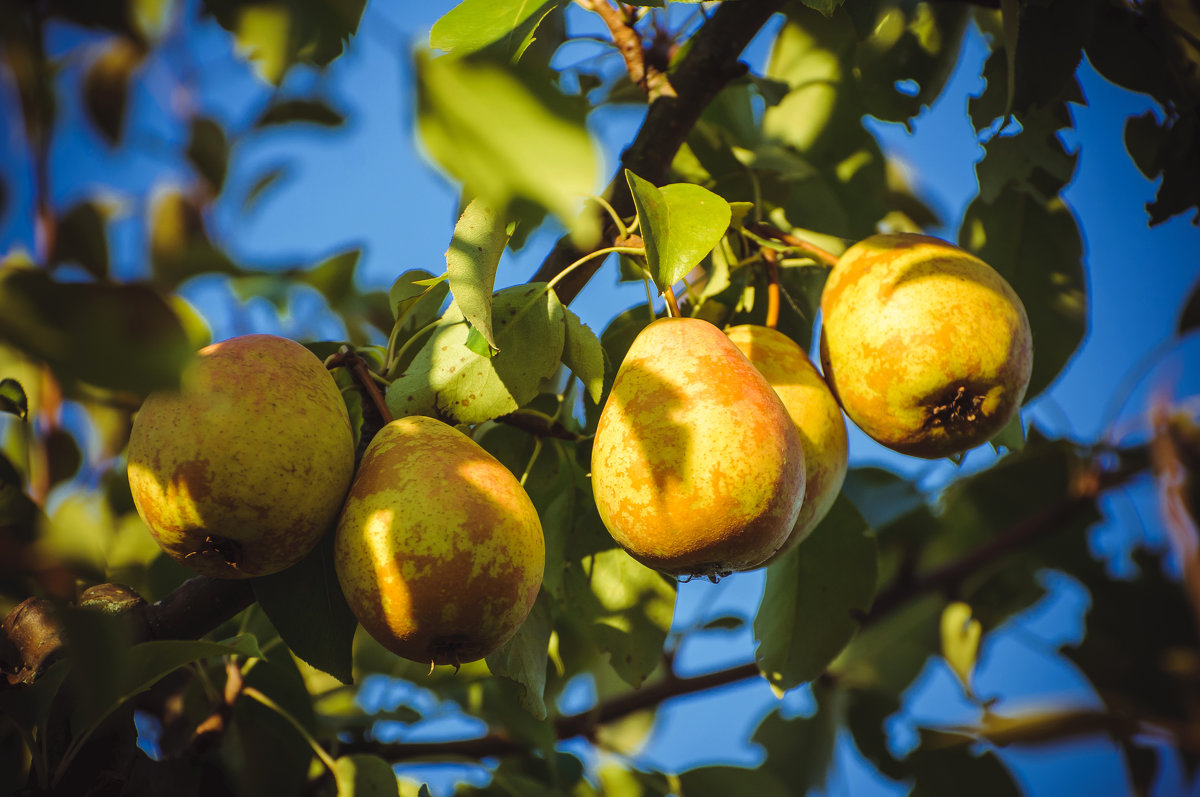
439, 550
241, 471
697, 469
926, 346
815, 412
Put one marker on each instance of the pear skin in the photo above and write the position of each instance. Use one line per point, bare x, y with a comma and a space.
815, 412
439, 550
241, 471
926, 346
697, 469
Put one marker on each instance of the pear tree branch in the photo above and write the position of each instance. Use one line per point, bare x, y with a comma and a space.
945, 578
710, 63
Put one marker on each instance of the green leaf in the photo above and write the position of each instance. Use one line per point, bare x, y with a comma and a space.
208, 152
960, 640
81, 238
881, 496
584, 355
273, 37
29, 706
626, 606
313, 112
1038, 249
447, 379
265, 181
307, 608
106, 85
620, 333
124, 337
473, 25
542, 153
722, 781
680, 223
13, 399
1034, 159
826, 7
365, 775
812, 596
471, 262
334, 277
942, 769
523, 657
800, 750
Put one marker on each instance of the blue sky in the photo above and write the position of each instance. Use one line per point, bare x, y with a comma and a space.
366, 186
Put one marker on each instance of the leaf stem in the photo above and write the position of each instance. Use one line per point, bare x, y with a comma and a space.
624, 250
761, 230
328, 761
622, 232
391, 366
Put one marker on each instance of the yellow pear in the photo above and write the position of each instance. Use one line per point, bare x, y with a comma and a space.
815, 412
241, 471
697, 469
439, 550
926, 346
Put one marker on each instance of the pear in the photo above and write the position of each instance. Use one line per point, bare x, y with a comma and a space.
439, 550
926, 346
241, 471
697, 469
815, 412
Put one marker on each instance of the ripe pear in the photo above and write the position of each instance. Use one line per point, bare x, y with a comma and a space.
813, 410
926, 346
439, 550
697, 469
241, 471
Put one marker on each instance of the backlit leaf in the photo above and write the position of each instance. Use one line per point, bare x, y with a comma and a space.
627, 608
124, 337
541, 153
449, 380
584, 355
364, 775
475, 24
471, 262
680, 224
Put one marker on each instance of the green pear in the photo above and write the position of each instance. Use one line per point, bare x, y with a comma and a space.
815, 412
241, 471
439, 550
697, 469
926, 346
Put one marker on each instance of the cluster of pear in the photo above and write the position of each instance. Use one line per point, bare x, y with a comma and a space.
718, 452
438, 549
715, 451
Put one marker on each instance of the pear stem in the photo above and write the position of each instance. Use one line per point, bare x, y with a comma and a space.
362, 375
771, 258
672, 303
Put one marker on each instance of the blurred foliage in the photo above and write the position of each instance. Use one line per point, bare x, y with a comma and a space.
276, 699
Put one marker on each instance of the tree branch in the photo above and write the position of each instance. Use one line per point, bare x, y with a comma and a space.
710, 63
